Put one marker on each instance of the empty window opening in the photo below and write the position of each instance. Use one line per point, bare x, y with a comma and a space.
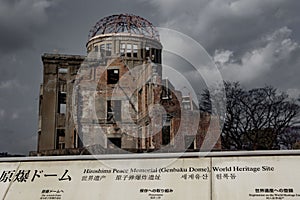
109, 115
166, 120
166, 136
62, 107
62, 70
157, 56
122, 49
112, 76
113, 110
108, 49
149, 135
128, 50
153, 57
114, 143
147, 52
166, 130
189, 142
62, 97
142, 53
96, 48
102, 50
165, 94
135, 51
60, 138
117, 110
62, 86
186, 105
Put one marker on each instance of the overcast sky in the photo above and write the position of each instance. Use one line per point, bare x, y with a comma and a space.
255, 42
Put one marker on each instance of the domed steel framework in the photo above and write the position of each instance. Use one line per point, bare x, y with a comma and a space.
124, 23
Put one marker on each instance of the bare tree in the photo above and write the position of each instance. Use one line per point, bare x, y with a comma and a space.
255, 119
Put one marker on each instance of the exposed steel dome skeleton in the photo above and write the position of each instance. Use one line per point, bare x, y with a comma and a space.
124, 23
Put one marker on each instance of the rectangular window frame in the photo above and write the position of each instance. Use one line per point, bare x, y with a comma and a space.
189, 142
166, 129
135, 50
108, 49
60, 138
113, 111
129, 50
62, 70
102, 50
147, 52
62, 103
122, 49
113, 76
114, 143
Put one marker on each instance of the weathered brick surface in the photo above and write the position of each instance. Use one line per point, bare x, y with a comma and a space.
140, 90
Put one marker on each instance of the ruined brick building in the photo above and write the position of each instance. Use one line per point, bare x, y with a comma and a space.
115, 98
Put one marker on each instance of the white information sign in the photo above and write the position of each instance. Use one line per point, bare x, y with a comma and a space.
7, 171
110, 180
211, 178
256, 178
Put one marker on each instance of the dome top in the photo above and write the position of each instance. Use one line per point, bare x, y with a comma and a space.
124, 23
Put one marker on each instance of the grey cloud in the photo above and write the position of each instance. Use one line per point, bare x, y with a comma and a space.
228, 24
270, 64
258, 39
21, 22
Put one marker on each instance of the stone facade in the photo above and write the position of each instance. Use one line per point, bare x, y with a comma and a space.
114, 100
55, 116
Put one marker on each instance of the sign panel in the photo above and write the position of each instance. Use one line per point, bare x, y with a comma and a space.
7, 171
256, 178
212, 178
112, 179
